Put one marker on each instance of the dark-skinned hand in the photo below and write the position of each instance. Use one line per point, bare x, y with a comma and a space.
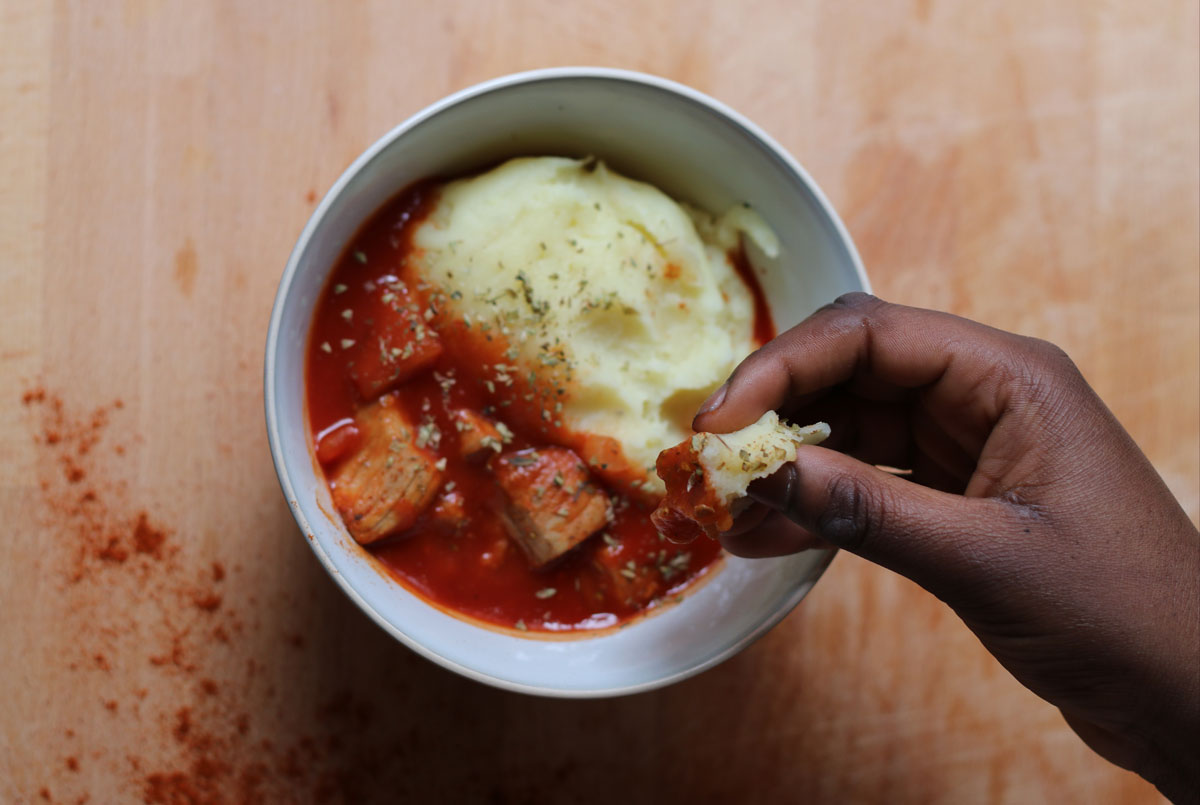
1028, 509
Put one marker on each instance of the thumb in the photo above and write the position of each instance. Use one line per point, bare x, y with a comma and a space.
946, 543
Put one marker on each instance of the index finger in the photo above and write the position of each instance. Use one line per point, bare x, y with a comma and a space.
860, 337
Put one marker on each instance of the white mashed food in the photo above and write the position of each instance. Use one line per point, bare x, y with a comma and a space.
628, 295
732, 460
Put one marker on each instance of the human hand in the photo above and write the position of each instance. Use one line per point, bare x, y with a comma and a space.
1028, 509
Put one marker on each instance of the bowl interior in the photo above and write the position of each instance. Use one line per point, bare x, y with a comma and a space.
695, 151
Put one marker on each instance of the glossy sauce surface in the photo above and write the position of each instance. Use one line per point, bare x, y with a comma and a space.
458, 553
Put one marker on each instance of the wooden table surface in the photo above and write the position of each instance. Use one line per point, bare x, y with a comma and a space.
165, 631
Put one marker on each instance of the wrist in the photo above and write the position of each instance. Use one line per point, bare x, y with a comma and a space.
1170, 762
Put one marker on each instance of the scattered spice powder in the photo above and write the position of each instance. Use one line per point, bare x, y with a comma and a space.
147, 538
198, 751
210, 602
113, 551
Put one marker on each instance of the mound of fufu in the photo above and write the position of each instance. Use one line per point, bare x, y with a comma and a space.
626, 293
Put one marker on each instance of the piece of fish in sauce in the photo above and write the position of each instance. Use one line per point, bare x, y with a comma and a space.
625, 580
478, 436
552, 503
388, 481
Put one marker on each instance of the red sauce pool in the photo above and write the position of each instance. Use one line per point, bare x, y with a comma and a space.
476, 569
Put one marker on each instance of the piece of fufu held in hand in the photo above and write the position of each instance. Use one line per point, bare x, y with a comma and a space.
707, 475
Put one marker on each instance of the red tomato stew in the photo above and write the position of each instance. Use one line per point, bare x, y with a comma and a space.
468, 490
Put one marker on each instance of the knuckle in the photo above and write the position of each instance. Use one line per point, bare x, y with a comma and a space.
854, 301
854, 313
858, 301
1049, 355
854, 516
1045, 373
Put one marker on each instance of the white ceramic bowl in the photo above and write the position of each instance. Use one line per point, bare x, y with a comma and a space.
696, 150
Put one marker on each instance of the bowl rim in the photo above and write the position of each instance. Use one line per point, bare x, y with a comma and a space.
286, 281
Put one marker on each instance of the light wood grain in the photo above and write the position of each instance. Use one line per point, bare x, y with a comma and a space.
1031, 165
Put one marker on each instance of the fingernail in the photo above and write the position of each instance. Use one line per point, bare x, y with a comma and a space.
714, 400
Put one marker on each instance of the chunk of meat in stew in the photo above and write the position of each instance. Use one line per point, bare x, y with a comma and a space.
477, 435
384, 485
400, 345
552, 504
625, 580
